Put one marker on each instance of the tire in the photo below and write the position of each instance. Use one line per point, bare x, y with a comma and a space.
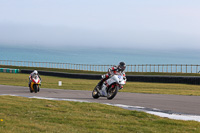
30, 90
95, 93
112, 92
38, 88
35, 88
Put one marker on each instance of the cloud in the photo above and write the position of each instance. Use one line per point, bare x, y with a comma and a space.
132, 24
54, 36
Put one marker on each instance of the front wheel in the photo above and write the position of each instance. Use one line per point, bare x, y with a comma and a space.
35, 88
112, 92
95, 93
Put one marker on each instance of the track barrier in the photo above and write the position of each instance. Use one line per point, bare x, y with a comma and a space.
133, 78
164, 68
8, 70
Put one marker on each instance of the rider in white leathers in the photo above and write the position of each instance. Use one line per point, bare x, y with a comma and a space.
111, 71
35, 72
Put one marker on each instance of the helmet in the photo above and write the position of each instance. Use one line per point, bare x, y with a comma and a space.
35, 72
122, 66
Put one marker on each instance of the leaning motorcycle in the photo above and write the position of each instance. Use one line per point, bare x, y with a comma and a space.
35, 84
110, 87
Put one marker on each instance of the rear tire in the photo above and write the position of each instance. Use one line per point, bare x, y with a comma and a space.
112, 92
95, 93
30, 90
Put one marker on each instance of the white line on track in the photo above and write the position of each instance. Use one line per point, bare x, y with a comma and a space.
138, 108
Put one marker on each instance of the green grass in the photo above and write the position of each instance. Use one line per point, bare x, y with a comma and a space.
24, 115
84, 84
93, 72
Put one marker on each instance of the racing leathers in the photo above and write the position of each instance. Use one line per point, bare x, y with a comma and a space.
31, 76
111, 71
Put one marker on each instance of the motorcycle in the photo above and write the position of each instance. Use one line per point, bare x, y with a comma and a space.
35, 84
110, 87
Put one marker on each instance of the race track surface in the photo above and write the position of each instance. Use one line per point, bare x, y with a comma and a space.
166, 103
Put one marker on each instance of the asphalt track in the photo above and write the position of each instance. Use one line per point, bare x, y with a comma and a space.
165, 103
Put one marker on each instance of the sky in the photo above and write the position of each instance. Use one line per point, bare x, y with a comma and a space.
137, 24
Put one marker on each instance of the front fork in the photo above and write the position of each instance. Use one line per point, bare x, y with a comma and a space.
104, 90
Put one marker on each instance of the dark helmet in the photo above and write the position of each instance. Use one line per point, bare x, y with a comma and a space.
122, 66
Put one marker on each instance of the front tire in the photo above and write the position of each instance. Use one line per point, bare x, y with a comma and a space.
35, 88
112, 92
95, 93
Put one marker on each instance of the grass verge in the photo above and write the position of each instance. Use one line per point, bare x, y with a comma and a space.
19, 115
84, 84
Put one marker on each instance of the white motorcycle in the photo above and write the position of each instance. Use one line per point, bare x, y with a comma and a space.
110, 87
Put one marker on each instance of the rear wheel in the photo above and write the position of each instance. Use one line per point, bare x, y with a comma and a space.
38, 88
31, 91
95, 93
112, 92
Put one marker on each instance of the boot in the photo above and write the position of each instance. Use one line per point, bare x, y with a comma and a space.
29, 84
100, 84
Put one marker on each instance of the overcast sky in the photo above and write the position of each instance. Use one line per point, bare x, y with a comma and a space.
155, 24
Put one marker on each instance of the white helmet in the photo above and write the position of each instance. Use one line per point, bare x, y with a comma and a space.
35, 72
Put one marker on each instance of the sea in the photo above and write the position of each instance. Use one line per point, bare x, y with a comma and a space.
100, 56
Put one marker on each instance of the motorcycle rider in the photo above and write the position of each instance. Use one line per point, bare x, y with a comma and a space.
111, 71
35, 72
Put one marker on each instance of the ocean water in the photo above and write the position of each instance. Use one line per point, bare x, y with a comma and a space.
100, 56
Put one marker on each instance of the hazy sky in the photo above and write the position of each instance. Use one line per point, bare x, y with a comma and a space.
155, 24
